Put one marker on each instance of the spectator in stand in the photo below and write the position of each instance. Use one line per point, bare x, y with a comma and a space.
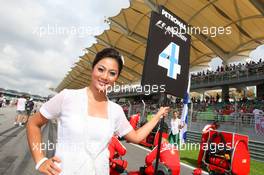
243, 67
212, 100
218, 69
244, 100
217, 98
207, 99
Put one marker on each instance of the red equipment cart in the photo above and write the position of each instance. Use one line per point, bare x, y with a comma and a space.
227, 153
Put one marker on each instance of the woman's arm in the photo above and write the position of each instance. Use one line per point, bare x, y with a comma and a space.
138, 135
34, 141
34, 135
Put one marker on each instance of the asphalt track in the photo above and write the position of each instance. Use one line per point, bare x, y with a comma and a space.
15, 157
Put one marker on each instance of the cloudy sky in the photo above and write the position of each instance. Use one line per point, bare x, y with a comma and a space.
41, 40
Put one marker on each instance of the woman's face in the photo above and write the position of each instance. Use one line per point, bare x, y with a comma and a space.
104, 74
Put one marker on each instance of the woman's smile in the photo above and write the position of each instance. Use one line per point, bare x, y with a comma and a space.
105, 73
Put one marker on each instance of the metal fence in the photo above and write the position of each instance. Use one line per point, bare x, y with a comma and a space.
243, 123
238, 122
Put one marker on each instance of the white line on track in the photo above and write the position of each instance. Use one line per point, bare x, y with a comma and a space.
183, 164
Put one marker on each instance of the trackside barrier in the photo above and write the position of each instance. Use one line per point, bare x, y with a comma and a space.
255, 147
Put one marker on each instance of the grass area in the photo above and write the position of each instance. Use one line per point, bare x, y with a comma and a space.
190, 158
256, 167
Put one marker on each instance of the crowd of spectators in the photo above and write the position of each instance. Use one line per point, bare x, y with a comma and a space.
208, 99
240, 67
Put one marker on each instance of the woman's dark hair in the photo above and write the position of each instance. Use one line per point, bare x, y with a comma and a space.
111, 53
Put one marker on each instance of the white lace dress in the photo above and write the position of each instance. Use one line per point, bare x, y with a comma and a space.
83, 140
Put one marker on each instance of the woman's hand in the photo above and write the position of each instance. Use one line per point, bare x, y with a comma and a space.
141, 133
163, 112
49, 167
